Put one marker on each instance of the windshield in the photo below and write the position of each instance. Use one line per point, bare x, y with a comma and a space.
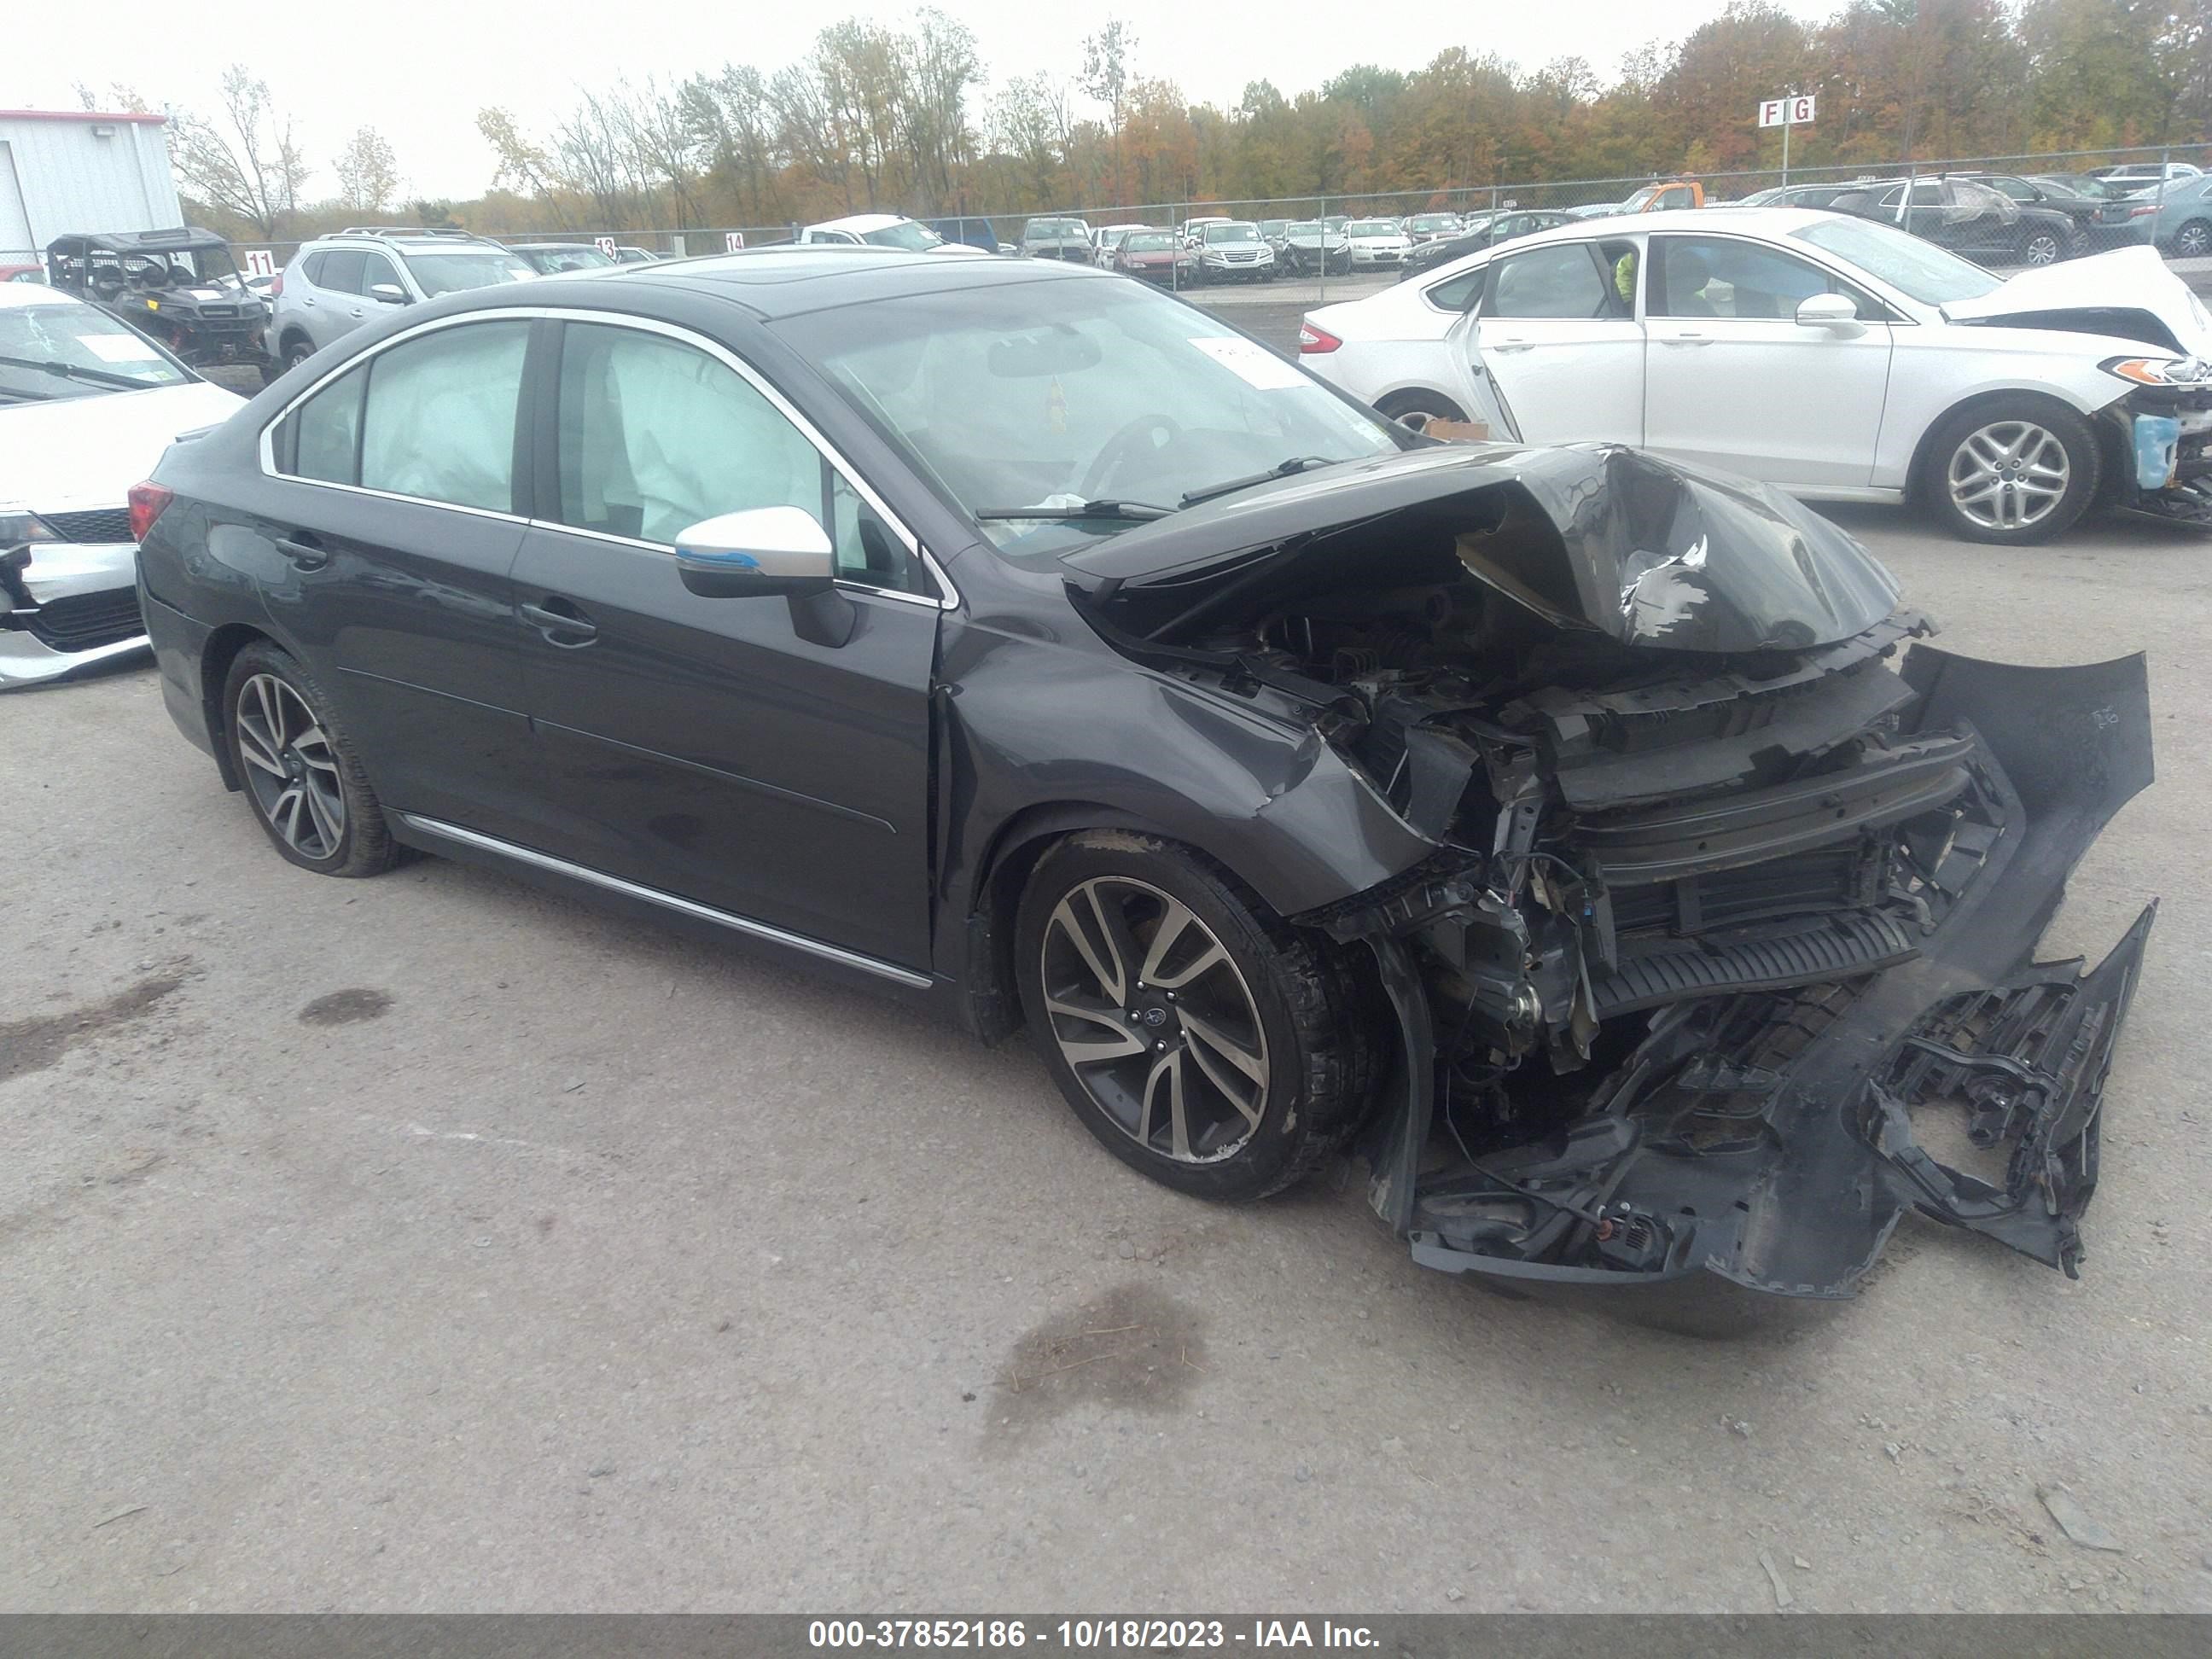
1434, 221
1914, 267
552, 260
1372, 228
1055, 227
914, 237
76, 336
1150, 241
449, 273
1273, 227
1051, 395
1215, 234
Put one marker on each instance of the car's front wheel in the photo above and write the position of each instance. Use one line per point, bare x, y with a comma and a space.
2193, 241
306, 786
2041, 247
2014, 470
1202, 1039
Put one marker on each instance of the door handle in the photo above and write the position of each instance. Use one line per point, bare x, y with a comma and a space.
1510, 345
567, 628
1686, 339
304, 555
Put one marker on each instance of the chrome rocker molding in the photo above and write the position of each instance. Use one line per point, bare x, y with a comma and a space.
813, 947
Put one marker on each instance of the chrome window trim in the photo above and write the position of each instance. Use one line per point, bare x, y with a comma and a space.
948, 597
735, 923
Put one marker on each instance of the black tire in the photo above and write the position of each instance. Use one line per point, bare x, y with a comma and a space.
1315, 1026
297, 350
1417, 409
1946, 458
2193, 241
2039, 246
363, 845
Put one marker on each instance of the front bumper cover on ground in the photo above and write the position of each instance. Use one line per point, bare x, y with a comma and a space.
1760, 1148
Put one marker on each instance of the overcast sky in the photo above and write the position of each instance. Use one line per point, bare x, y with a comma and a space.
420, 70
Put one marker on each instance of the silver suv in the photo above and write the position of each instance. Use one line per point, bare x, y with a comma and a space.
335, 284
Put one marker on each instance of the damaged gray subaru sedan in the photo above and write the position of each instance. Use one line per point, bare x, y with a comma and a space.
1595, 845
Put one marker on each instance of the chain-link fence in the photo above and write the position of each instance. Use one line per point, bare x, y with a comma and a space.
1289, 223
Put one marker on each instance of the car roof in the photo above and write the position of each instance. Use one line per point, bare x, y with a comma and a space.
16, 295
790, 279
179, 239
564, 246
861, 222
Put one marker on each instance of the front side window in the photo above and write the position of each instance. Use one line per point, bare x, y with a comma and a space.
656, 435
1721, 277
375, 269
1560, 281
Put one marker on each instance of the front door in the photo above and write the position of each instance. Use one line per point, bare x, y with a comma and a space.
1734, 380
1556, 334
766, 757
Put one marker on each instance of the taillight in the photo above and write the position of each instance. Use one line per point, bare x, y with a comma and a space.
2142, 212
147, 500
1312, 339
277, 286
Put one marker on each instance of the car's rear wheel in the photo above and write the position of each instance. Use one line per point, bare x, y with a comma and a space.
2041, 247
1417, 409
306, 786
1203, 1041
2015, 470
2193, 241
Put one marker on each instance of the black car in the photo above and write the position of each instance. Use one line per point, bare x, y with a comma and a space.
2100, 219
1554, 825
1971, 220
1485, 231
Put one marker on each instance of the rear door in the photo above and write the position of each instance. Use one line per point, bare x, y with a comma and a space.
385, 546
767, 757
1734, 380
1558, 339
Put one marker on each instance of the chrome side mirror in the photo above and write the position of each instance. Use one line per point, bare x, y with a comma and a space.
764, 549
387, 294
1838, 312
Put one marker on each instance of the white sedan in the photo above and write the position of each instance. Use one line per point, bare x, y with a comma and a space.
1838, 358
86, 406
1377, 244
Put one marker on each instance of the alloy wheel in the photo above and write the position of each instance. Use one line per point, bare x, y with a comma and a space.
2041, 249
289, 766
2194, 240
2010, 475
1154, 1019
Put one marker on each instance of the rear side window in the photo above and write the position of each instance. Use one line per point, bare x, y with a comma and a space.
327, 430
1560, 281
1458, 294
441, 418
433, 418
312, 269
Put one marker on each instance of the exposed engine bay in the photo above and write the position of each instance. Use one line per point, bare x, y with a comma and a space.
1729, 875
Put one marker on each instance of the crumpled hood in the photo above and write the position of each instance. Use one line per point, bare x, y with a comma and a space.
1594, 538
76, 453
2126, 279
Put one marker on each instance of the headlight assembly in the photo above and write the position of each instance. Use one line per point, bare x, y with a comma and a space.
2161, 371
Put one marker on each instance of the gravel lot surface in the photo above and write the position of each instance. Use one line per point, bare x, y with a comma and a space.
430, 1242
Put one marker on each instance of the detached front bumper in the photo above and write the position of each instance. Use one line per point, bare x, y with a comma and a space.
1759, 1147
71, 606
